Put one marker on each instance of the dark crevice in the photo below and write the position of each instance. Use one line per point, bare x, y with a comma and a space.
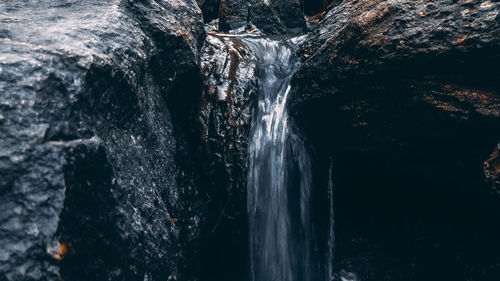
183, 101
210, 9
313, 7
88, 245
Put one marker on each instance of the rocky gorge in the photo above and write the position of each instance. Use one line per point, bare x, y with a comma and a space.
125, 129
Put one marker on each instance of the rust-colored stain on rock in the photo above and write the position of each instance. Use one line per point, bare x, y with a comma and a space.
491, 166
461, 38
64, 250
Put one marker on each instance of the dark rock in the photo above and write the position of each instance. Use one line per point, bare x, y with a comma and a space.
229, 92
360, 40
272, 17
210, 9
403, 96
123, 158
492, 167
314, 7
90, 185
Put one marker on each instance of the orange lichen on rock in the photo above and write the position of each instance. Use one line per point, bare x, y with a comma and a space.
436, 101
461, 38
315, 19
63, 250
484, 101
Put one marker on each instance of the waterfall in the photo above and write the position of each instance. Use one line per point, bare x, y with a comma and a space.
281, 233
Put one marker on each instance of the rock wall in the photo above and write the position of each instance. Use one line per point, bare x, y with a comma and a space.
272, 17
124, 135
90, 188
229, 92
403, 96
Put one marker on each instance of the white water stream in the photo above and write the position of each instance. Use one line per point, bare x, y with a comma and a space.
281, 232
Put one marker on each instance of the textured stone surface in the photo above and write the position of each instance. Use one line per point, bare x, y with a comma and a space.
119, 161
404, 97
89, 186
360, 40
273, 17
229, 92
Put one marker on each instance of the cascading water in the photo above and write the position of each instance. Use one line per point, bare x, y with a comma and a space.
281, 233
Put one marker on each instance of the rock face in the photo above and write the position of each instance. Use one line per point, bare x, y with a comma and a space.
404, 97
91, 187
272, 17
124, 134
229, 92
370, 39
210, 9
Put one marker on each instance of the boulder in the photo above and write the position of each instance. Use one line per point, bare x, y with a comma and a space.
90, 185
401, 98
360, 40
229, 93
272, 17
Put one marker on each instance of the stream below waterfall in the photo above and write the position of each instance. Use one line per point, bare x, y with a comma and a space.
282, 235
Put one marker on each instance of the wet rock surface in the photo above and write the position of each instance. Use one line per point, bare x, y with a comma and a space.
365, 41
90, 186
124, 136
229, 92
272, 17
402, 95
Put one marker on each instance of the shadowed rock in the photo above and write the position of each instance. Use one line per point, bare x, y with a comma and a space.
210, 9
404, 97
272, 17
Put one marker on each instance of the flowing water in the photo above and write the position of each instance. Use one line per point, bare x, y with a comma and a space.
281, 233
